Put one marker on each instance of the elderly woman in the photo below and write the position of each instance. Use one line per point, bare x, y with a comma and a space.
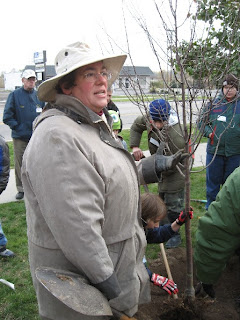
82, 189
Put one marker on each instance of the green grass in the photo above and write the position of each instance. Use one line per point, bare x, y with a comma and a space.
10, 145
144, 143
21, 303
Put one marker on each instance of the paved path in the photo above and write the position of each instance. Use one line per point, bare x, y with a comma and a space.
9, 194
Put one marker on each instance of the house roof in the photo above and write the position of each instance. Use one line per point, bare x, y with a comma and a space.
50, 70
126, 71
135, 70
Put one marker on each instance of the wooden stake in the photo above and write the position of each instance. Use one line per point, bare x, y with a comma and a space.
175, 296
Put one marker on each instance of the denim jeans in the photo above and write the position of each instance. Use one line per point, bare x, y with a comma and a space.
3, 239
217, 173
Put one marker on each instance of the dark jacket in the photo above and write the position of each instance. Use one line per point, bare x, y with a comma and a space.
218, 234
224, 122
159, 234
172, 181
111, 106
4, 164
21, 108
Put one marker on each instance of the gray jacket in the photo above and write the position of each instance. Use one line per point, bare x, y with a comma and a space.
75, 176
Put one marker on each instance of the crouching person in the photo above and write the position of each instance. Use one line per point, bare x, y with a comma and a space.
154, 211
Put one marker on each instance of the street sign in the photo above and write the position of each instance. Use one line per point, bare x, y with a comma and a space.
40, 67
40, 57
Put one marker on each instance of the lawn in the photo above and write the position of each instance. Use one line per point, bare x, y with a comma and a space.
21, 303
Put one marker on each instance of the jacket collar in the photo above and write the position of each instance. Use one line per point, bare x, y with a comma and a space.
75, 110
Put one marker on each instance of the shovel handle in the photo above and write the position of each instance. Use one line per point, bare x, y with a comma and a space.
175, 296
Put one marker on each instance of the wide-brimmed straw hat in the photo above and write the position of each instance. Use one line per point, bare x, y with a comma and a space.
74, 56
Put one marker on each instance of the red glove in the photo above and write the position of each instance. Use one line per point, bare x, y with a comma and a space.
165, 283
183, 216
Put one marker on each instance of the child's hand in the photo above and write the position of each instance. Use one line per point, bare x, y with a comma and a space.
183, 216
168, 285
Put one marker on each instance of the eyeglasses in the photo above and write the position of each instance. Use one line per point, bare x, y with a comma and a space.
93, 76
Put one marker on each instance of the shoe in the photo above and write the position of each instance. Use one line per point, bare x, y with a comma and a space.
19, 195
173, 242
5, 253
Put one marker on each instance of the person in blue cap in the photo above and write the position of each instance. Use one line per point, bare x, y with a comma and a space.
161, 124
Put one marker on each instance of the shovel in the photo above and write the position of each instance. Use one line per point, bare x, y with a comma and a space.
74, 291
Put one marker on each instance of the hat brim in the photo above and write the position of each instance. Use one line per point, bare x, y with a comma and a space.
47, 89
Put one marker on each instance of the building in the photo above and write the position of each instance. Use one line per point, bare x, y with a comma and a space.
49, 73
13, 80
130, 78
133, 77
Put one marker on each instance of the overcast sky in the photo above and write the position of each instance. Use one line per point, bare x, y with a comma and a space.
29, 26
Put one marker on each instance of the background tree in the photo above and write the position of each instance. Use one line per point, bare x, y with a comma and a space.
217, 51
204, 43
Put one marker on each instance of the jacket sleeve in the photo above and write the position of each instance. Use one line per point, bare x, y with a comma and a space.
9, 114
204, 122
146, 170
160, 234
4, 164
217, 237
136, 130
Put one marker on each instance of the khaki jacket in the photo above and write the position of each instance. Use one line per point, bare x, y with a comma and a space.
172, 180
75, 177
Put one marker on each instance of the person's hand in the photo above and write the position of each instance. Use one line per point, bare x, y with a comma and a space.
137, 153
207, 288
164, 163
168, 285
183, 216
124, 317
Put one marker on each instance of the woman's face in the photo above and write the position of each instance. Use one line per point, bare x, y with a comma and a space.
90, 86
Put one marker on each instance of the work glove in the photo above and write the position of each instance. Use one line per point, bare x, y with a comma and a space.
183, 216
208, 289
168, 285
164, 163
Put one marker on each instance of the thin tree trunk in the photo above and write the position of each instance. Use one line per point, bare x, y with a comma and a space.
189, 292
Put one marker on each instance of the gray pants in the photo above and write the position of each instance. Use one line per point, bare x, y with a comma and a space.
19, 147
174, 203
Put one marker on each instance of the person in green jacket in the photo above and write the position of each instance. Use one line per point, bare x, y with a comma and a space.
162, 124
220, 122
217, 237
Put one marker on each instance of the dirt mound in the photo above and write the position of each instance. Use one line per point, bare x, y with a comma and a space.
163, 307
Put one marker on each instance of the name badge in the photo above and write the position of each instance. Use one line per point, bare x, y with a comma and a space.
222, 118
154, 142
38, 109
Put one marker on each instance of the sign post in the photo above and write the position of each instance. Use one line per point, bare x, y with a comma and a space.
40, 59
